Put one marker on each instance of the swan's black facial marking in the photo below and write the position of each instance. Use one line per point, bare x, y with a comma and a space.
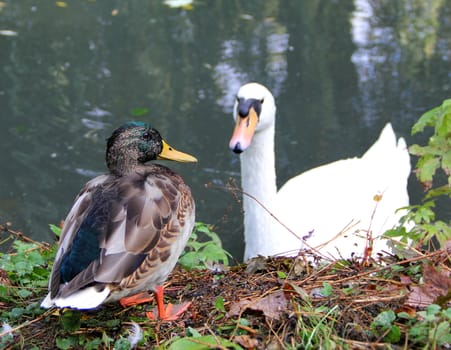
244, 106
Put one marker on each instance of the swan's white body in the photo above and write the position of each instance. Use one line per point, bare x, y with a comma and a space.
330, 208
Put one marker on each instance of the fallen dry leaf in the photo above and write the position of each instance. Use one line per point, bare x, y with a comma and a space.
273, 305
246, 341
436, 284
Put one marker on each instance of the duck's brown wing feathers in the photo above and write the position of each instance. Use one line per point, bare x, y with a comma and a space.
143, 214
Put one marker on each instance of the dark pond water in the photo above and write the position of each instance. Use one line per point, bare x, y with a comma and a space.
71, 72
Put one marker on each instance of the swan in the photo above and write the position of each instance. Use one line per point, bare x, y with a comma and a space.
335, 210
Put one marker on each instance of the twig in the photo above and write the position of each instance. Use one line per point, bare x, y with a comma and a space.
27, 323
23, 237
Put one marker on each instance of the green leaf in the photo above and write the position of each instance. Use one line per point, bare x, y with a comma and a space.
66, 343
113, 323
383, 324
190, 261
384, 319
193, 332
138, 112
212, 252
394, 335
433, 309
327, 289
427, 165
203, 246
97, 342
17, 312
443, 333
55, 229
219, 304
4, 292
71, 320
446, 162
24, 293
120, 344
205, 342
427, 119
281, 274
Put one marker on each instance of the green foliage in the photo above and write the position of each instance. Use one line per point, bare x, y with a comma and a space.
383, 326
70, 320
437, 154
327, 290
196, 341
219, 304
434, 161
55, 229
28, 266
80, 341
139, 112
431, 328
27, 269
204, 249
317, 327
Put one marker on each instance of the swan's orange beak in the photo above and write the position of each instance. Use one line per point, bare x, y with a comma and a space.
244, 131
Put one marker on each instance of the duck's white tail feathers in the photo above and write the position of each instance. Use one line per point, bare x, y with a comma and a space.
87, 298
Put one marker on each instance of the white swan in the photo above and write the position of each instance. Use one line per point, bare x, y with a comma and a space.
330, 208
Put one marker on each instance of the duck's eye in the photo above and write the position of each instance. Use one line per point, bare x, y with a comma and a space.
146, 135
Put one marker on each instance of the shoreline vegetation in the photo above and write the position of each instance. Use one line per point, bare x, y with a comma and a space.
268, 303
395, 301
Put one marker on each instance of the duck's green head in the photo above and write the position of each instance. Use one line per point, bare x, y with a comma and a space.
136, 143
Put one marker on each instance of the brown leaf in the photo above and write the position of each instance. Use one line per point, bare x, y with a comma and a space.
272, 306
256, 264
406, 280
4, 279
436, 285
440, 279
246, 341
407, 309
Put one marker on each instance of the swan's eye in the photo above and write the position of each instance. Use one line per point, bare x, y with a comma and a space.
262, 100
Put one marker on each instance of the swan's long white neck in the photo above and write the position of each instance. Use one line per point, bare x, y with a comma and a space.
349, 186
258, 179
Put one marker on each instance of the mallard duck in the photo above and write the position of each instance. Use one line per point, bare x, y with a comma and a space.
331, 208
126, 229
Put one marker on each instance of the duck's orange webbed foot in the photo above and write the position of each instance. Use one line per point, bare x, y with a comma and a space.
170, 312
136, 299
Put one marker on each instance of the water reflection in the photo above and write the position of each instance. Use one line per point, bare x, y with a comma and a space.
264, 51
339, 70
393, 44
